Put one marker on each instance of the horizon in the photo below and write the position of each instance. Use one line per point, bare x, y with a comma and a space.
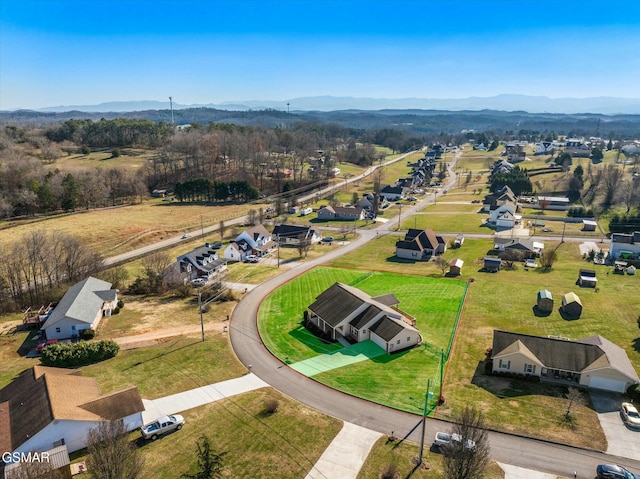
70, 52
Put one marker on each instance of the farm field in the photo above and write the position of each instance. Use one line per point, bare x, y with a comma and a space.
130, 159
397, 380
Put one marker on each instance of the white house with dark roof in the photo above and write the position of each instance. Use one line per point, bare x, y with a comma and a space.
420, 245
48, 407
202, 262
625, 245
82, 307
293, 235
253, 241
592, 362
345, 311
392, 193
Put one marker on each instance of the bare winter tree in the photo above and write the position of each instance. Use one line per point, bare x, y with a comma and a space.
611, 176
576, 398
111, 456
468, 458
441, 263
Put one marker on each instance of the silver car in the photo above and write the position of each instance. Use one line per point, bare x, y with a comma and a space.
162, 425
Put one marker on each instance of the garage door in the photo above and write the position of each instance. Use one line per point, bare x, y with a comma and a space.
608, 384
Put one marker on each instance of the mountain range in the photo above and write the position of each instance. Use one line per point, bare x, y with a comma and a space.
504, 102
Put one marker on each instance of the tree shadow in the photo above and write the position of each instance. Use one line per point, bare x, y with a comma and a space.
395, 259
568, 317
636, 345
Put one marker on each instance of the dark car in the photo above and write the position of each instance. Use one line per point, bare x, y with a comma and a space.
612, 471
216, 245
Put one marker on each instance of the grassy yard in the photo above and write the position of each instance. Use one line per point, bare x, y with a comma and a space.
402, 455
398, 380
441, 221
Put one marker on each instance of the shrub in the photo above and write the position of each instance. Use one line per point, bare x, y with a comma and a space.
271, 406
85, 150
115, 310
88, 334
115, 153
77, 354
120, 304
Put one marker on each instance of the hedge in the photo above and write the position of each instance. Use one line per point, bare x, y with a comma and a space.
77, 354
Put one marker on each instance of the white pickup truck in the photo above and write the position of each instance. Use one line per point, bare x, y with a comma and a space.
444, 438
162, 425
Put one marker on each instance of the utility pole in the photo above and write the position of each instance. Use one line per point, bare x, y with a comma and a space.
424, 421
278, 241
173, 122
399, 215
200, 308
564, 227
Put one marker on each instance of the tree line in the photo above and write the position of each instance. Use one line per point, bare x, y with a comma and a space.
203, 189
37, 269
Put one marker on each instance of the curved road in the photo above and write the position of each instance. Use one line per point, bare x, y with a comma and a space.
529, 453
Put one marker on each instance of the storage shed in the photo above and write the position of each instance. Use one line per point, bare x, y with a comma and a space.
589, 225
492, 264
455, 267
545, 301
587, 278
571, 305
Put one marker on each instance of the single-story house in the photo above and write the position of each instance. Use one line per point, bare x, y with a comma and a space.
545, 301
455, 267
294, 235
529, 248
592, 362
48, 407
571, 305
587, 278
492, 264
82, 307
345, 311
392, 193
624, 245
202, 262
255, 240
420, 245
589, 225
342, 213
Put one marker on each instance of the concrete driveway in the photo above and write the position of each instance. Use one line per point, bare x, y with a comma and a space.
622, 440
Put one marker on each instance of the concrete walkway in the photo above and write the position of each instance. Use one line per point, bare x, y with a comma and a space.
346, 454
515, 472
199, 396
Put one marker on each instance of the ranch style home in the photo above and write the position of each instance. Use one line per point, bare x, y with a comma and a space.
593, 362
341, 213
294, 235
420, 245
343, 311
82, 307
48, 407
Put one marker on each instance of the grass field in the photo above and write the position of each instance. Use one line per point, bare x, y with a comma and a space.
130, 159
398, 380
460, 223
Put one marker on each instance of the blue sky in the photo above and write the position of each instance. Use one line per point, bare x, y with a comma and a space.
63, 52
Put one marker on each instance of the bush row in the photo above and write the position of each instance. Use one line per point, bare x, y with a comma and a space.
77, 354
579, 212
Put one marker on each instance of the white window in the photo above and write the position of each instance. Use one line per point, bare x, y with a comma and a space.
504, 364
530, 368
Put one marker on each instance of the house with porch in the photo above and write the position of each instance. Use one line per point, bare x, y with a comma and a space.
253, 241
625, 245
82, 307
44, 408
202, 262
592, 362
420, 245
345, 312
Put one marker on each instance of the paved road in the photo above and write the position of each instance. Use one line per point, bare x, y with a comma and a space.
524, 452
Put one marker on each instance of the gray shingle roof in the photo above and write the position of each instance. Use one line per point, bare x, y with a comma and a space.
335, 304
363, 318
81, 301
387, 328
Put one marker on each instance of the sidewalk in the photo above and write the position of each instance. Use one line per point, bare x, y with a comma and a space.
199, 396
515, 472
346, 454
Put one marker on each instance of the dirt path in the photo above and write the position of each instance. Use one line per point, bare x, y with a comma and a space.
151, 339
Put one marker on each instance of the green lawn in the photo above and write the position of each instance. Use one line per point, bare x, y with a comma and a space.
398, 380
461, 223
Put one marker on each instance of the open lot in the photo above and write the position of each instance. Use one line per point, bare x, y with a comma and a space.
397, 380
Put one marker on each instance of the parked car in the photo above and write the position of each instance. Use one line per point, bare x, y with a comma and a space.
185, 236
444, 439
197, 282
252, 258
162, 425
612, 471
216, 245
630, 414
44, 343
327, 239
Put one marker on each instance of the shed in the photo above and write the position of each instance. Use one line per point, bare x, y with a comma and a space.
589, 225
571, 305
455, 267
545, 301
587, 278
492, 264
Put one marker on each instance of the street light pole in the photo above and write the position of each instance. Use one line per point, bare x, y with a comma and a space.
424, 421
